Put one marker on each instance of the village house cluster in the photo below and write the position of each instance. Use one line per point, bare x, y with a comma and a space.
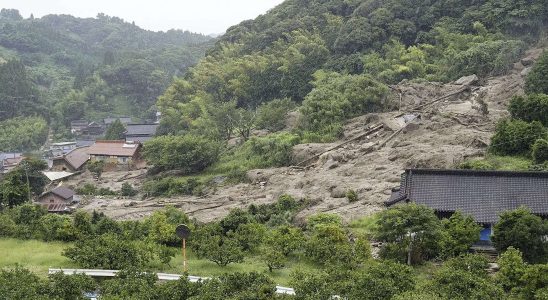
66, 159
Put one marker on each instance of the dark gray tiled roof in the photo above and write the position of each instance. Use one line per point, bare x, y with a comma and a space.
481, 194
141, 129
63, 192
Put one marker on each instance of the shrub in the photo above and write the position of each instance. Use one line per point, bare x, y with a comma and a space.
476, 164
272, 115
187, 153
96, 167
537, 79
273, 150
524, 231
459, 234
540, 151
128, 190
88, 189
515, 137
406, 226
530, 108
336, 98
352, 196
171, 186
110, 252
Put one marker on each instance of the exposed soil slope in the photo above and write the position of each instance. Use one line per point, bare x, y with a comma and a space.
447, 132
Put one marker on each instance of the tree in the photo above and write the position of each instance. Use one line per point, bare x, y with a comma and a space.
524, 231
187, 153
116, 131
465, 278
540, 151
536, 81
209, 242
19, 283
128, 190
516, 137
536, 281
23, 182
110, 251
18, 94
411, 232
272, 115
285, 239
530, 108
96, 167
329, 244
252, 285
459, 234
273, 258
511, 269
382, 281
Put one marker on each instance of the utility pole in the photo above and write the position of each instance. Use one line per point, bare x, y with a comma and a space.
28, 182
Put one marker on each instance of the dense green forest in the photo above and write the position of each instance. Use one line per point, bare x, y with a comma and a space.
330, 61
62, 68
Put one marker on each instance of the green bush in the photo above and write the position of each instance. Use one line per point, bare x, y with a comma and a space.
172, 186
87, 189
540, 151
537, 79
516, 137
524, 231
352, 196
530, 108
273, 150
187, 153
336, 98
128, 190
476, 164
272, 115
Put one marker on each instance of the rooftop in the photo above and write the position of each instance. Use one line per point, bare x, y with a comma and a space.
77, 157
113, 148
62, 192
141, 129
481, 194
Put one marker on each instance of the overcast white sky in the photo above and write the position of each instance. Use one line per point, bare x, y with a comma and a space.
205, 16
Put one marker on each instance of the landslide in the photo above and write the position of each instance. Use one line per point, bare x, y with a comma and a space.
436, 126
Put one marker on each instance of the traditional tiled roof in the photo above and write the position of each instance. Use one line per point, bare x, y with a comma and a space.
63, 192
77, 157
141, 129
481, 194
113, 148
56, 207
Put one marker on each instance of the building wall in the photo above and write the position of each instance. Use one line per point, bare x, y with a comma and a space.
60, 165
51, 198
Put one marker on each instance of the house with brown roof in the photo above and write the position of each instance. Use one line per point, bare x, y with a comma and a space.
119, 155
73, 161
8, 161
59, 200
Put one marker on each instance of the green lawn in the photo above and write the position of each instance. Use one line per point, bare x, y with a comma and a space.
39, 256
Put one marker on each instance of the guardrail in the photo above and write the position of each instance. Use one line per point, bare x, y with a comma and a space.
161, 276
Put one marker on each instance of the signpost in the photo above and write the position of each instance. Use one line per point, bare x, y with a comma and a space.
183, 232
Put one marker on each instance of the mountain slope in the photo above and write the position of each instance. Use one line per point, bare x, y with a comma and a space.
94, 67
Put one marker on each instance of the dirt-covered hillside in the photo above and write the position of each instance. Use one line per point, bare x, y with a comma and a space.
445, 132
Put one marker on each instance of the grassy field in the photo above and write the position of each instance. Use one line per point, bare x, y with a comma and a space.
39, 256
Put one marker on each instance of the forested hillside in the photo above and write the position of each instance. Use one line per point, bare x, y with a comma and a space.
334, 60
62, 68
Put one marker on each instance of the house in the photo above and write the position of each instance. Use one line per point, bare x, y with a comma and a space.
480, 194
140, 133
8, 161
94, 129
59, 200
78, 126
73, 161
58, 149
116, 154
110, 120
